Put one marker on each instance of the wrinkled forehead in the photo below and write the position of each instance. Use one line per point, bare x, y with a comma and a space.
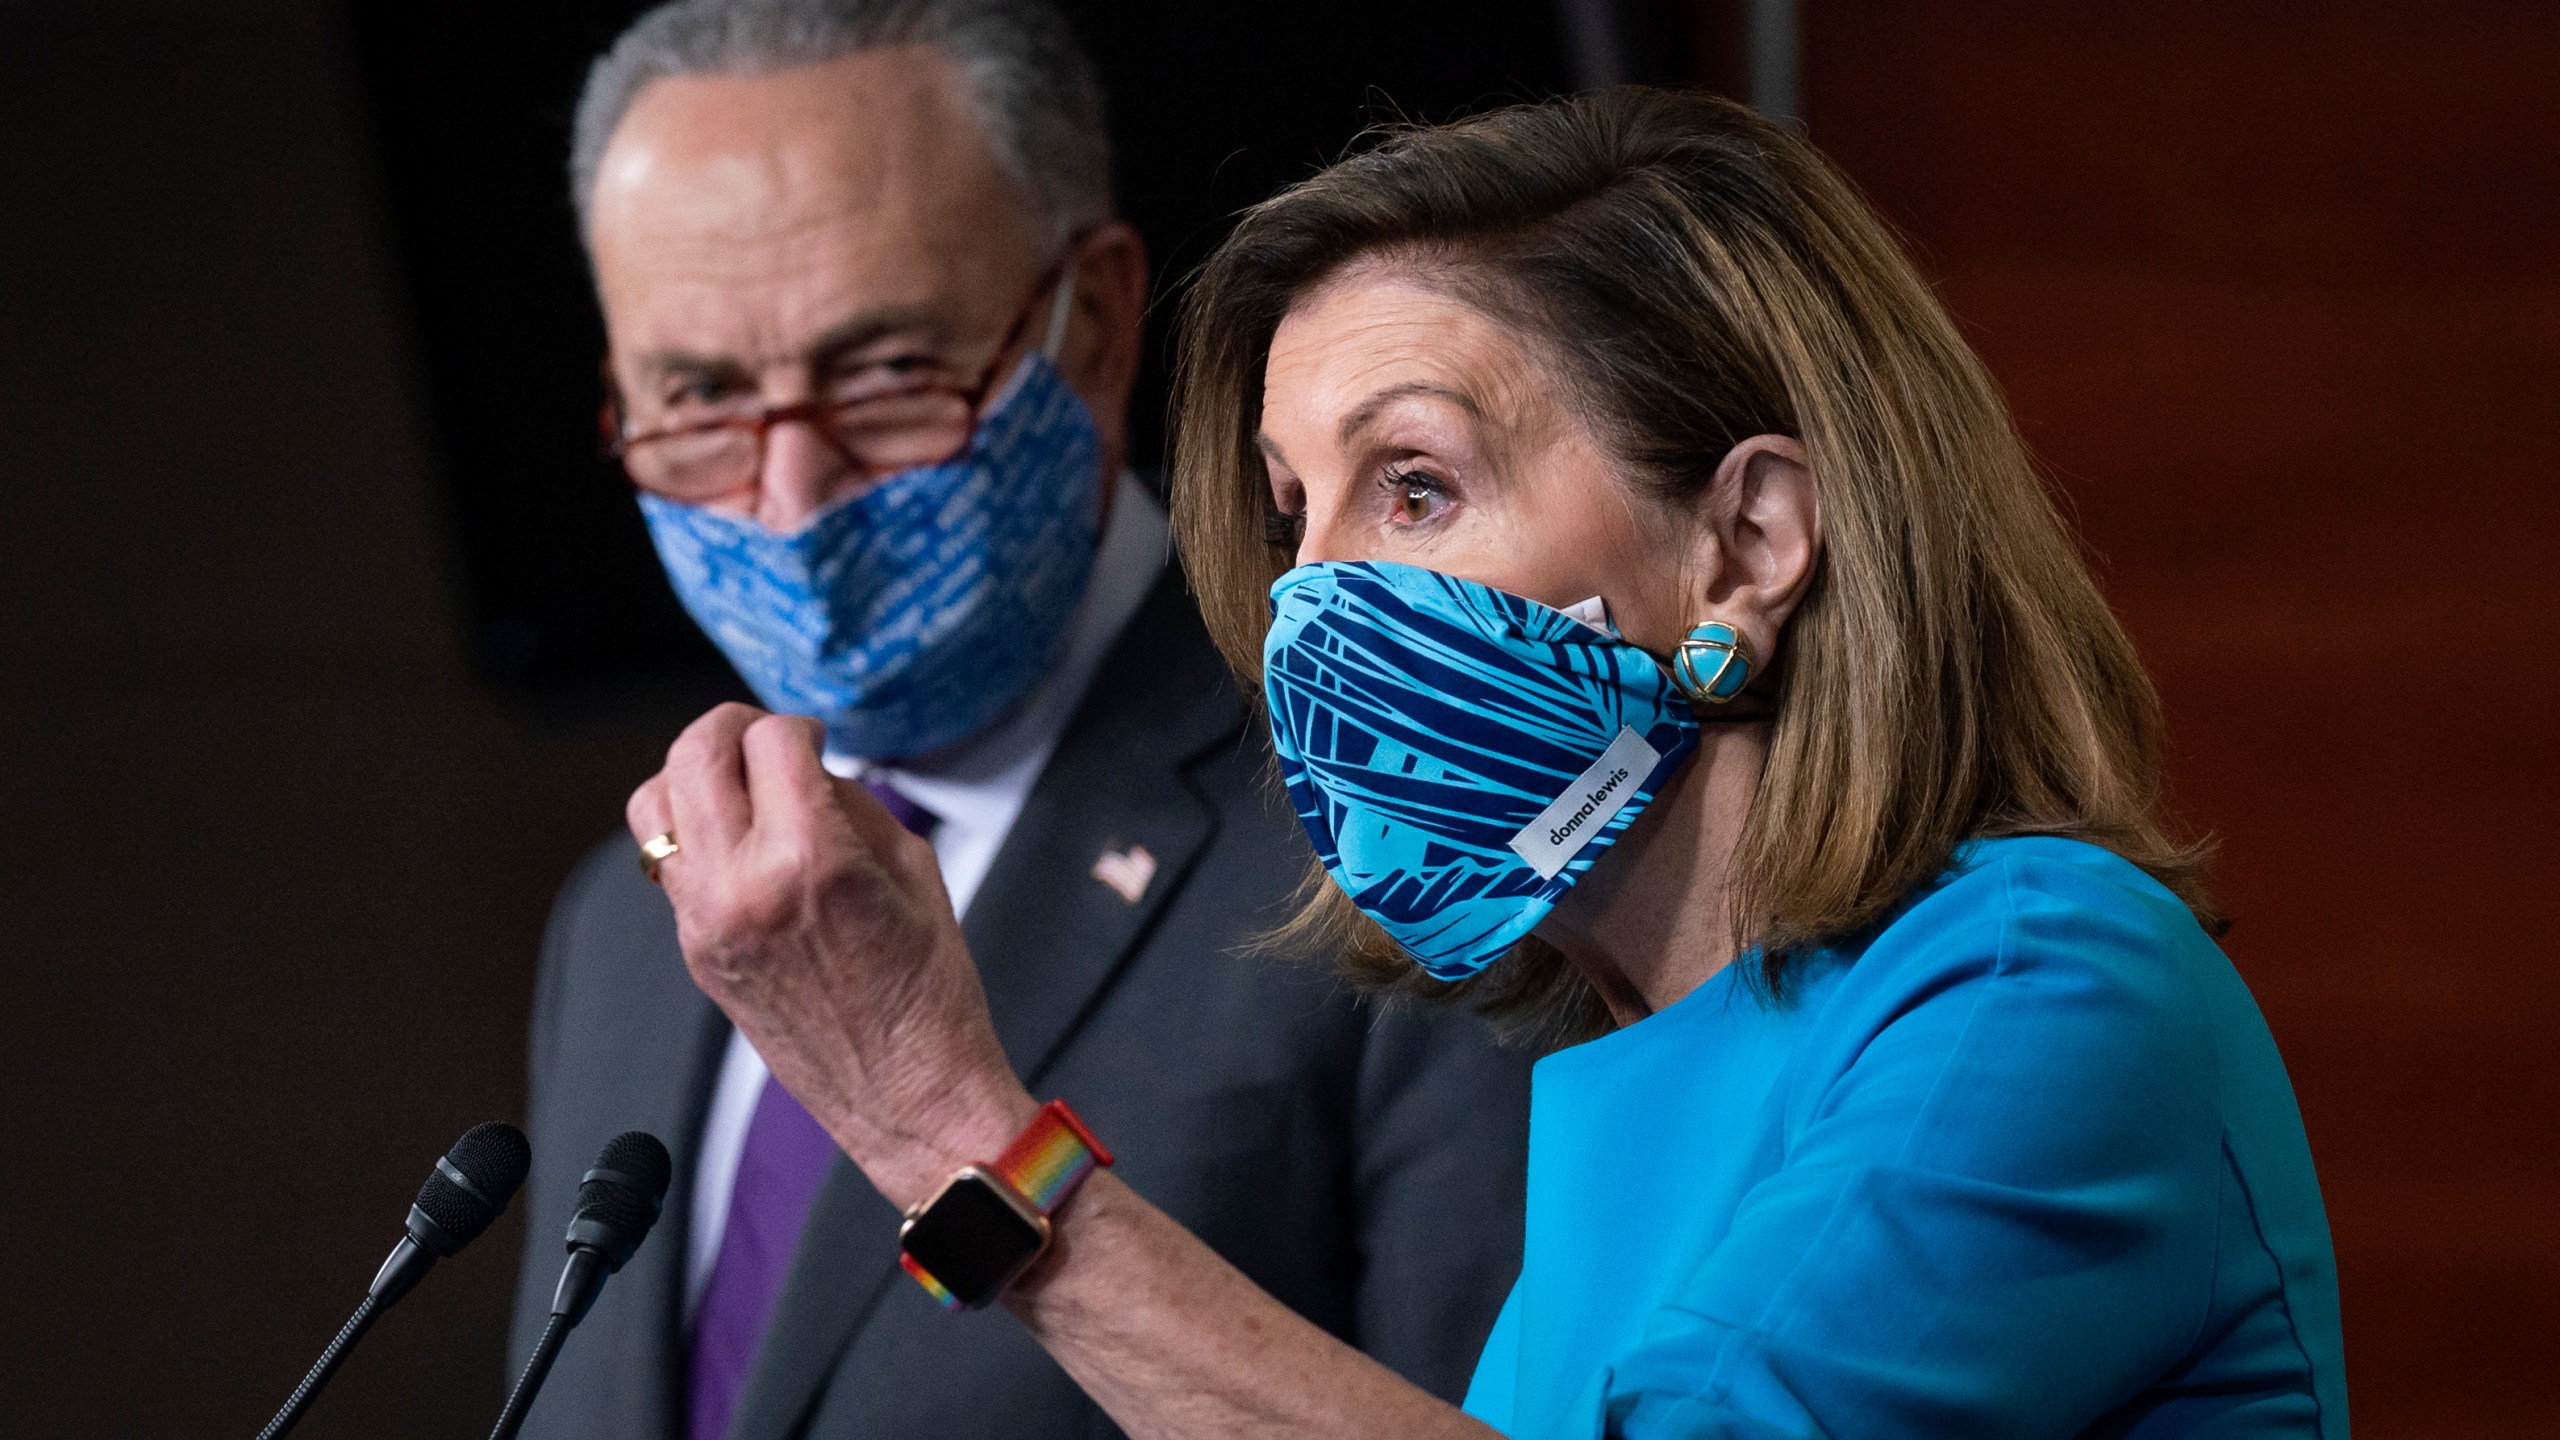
1381, 329
733, 208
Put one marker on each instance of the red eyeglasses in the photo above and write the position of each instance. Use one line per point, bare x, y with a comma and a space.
876, 424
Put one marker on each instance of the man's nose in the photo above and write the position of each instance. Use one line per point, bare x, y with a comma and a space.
802, 472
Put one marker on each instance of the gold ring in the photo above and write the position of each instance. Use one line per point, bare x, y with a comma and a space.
655, 850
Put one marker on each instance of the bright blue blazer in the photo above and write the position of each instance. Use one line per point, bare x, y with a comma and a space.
2023, 1163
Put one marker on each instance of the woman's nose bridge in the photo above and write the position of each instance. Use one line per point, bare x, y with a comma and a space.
1323, 533
1316, 540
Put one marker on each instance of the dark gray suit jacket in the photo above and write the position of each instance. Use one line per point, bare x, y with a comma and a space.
1364, 1168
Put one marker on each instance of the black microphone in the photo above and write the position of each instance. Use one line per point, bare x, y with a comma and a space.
617, 1203
468, 1188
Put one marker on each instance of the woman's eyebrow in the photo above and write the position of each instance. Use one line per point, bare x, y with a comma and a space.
1367, 410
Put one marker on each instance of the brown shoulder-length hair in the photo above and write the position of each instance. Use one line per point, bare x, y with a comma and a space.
1692, 276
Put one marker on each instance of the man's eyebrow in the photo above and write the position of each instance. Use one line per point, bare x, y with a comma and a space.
1367, 410
874, 326
851, 334
684, 362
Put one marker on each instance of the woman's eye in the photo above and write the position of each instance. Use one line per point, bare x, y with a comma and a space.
1283, 529
1416, 498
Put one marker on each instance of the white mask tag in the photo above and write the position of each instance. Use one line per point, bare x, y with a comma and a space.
1586, 808
1594, 614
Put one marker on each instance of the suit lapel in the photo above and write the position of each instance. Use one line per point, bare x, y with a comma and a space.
1048, 937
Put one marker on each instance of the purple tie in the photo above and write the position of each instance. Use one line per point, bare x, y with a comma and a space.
786, 1157
906, 812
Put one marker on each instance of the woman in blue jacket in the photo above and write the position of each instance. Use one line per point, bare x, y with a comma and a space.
1669, 649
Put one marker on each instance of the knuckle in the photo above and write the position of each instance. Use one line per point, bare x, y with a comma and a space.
711, 966
648, 800
687, 744
758, 910
721, 917
782, 732
706, 733
758, 899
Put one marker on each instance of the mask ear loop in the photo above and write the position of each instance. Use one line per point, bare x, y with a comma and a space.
1059, 310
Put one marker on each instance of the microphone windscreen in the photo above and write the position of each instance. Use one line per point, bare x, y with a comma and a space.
471, 1186
625, 1188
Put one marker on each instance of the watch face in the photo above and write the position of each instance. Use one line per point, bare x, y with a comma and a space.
972, 1240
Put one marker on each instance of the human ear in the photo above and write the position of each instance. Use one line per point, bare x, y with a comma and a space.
1107, 335
1761, 533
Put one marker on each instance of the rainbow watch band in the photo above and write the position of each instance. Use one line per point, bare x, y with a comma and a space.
1043, 1165
925, 1278
1050, 1158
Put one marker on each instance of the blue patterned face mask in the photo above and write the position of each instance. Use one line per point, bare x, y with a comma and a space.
1459, 756
911, 613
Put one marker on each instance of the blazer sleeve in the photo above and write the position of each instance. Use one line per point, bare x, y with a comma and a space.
1443, 1136
1999, 1212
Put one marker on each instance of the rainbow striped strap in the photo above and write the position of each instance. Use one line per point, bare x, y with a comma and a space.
924, 1277
1050, 1158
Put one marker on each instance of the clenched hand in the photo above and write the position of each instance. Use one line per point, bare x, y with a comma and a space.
820, 926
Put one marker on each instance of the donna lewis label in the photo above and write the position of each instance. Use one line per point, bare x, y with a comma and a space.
1587, 806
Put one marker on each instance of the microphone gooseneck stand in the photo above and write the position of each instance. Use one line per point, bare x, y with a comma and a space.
536, 1369
326, 1366
468, 1188
617, 1204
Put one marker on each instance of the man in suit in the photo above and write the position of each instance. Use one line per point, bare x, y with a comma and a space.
873, 331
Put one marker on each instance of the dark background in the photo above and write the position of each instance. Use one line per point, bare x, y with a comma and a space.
326, 644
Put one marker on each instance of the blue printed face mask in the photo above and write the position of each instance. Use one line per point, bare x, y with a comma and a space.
911, 613
1460, 756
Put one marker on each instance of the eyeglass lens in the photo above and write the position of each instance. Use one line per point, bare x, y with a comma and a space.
876, 435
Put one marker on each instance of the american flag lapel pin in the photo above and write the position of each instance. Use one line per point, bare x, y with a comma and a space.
1127, 872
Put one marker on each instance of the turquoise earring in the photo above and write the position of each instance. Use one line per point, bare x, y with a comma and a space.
1712, 664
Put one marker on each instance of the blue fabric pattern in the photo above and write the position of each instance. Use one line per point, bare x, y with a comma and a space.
1426, 724
911, 613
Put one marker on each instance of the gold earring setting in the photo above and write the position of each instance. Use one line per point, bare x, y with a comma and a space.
1712, 664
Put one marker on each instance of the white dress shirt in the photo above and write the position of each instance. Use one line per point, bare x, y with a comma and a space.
975, 789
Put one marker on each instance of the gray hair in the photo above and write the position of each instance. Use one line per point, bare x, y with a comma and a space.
1034, 91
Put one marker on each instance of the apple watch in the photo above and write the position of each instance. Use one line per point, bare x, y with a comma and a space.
988, 1222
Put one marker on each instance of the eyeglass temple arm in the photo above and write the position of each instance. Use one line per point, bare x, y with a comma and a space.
1061, 310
